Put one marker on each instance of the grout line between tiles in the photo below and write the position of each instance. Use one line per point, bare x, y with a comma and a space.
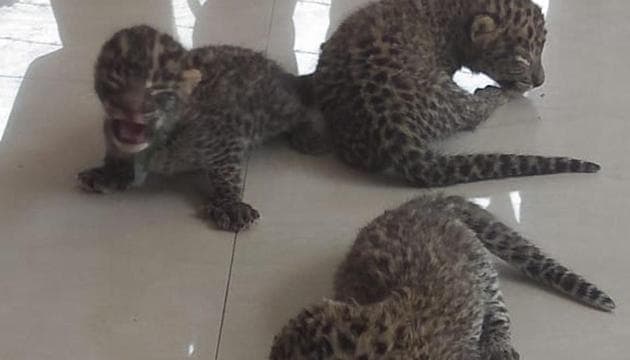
305, 52
320, 2
9, 38
33, 4
11, 77
229, 275
269, 28
225, 299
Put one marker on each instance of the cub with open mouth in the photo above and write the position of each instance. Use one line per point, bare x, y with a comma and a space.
169, 110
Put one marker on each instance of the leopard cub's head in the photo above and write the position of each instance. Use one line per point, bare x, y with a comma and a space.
506, 43
141, 80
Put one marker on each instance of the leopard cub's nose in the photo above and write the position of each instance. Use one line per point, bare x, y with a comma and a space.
538, 78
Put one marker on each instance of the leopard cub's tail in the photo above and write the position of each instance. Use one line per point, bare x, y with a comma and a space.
518, 251
426, 168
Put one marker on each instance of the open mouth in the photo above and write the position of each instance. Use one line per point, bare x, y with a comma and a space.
129, 132
130, 136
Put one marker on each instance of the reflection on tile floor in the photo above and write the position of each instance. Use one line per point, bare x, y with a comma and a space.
137, 276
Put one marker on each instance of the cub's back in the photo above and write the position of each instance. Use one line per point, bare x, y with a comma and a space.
234, 75
413, 246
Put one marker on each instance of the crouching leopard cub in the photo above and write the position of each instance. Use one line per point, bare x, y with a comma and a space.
419, 283
169, 110
384, 83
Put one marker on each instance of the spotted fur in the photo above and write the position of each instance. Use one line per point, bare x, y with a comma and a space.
419, 283
384, 83
170, 110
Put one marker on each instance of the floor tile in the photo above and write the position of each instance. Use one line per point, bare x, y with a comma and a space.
124, 276
235, 22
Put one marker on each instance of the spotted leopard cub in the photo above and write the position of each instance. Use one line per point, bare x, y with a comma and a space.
169, 110
384, 83
419, 283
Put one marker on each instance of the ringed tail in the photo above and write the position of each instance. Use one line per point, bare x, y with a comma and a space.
521, 253
427, 168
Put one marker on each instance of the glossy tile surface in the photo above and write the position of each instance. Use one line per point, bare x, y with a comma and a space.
138, 276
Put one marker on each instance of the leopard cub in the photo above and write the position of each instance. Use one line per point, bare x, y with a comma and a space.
384, 82
169, 110
419, 283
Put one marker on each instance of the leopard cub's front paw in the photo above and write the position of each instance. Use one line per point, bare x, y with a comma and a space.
489, 91
495, 95
492, 92
97, 180
231, 216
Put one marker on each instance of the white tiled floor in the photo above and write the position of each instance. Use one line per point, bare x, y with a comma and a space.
137, 276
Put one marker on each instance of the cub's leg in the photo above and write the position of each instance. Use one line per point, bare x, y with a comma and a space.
481, 105
496, 342
224, 204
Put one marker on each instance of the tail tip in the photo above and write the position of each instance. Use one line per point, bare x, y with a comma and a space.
591, 167
606, 304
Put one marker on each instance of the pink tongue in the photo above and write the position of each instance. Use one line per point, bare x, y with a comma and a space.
131, 132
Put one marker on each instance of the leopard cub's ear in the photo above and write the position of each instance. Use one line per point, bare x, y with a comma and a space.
483, 30
189, 80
